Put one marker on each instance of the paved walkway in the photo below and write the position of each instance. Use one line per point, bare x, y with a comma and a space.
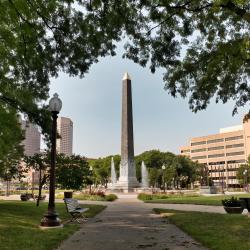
129, 224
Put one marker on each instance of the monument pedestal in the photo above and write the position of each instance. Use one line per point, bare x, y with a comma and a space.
126, 185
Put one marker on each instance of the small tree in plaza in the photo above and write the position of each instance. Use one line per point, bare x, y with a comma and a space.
243, 173
71, 171
154, 177
41, 163
10, 165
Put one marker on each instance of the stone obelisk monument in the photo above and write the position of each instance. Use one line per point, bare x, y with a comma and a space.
127, 180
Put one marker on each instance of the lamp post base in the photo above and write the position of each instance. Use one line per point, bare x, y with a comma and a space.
50, 220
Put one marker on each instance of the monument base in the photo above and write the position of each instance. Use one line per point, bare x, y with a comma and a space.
143, 190
126, 186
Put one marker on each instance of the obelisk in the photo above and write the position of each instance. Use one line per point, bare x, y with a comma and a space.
113, 173
127, 180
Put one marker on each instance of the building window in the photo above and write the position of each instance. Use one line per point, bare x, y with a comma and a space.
237, 161
235, 153
215, 148
185, 151
216, 155
215, 140
198, 150
199, 157
235, 145
216, 163
234, 138
198, 143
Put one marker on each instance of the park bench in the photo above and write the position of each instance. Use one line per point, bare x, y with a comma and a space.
26, 196
75, 210
42, 197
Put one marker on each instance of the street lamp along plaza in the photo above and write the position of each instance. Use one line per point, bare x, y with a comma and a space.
50, 219
163, 177
245, 180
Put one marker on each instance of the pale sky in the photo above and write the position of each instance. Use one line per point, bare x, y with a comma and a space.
160, 121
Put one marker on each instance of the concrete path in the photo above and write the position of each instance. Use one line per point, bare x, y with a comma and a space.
188, 207
129, 224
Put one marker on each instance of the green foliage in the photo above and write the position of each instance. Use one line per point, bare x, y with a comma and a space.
240, 172
10, 138
71, 171
232, 202
180, 170
194, 199
204, 47
148, 197
91, 197
102, 168
154, 159
111, 197
154, 176
40, 163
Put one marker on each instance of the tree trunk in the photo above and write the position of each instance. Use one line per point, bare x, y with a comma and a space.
41, 183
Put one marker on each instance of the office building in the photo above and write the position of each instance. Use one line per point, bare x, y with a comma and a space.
222, 153
64, 144
32, 139
31, 145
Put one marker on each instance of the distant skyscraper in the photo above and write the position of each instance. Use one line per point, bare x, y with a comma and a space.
32, 139
64, 144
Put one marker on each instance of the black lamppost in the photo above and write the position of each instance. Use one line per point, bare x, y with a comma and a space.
90, 179
245, 180
51, 219
222, 180
33, 182
163, 177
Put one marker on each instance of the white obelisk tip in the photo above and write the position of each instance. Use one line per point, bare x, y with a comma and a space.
126, 76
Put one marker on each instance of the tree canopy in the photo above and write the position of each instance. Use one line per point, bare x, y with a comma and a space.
71, 171
203, 46
40, 38
180, 169
102, 169
10, 139
240, 175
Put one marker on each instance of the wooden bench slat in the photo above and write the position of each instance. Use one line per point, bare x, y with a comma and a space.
74, 206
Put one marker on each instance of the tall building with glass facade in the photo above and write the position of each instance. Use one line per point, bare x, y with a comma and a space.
64, 144
222, 153
31, 144
32, 139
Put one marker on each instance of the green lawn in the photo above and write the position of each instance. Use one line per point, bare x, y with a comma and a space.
19, 223
197, 200
215, 231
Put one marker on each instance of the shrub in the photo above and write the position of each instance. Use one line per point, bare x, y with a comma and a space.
232, 202
99, 193
145, 197
111, 197
97, 196
148, 197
